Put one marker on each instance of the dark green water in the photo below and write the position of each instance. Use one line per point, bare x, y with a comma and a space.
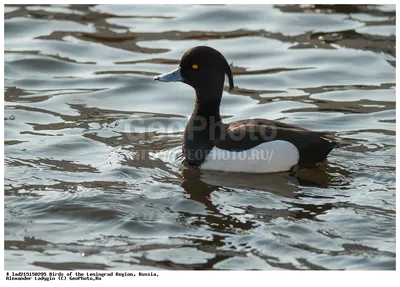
91, 176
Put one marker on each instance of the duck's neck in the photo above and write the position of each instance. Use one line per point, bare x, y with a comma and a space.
202, 130
208, 110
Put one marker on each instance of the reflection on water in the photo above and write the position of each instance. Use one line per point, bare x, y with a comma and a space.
93, 174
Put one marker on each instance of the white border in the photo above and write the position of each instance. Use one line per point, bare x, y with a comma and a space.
230, 278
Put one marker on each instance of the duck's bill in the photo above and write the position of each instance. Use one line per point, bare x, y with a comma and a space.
173, 76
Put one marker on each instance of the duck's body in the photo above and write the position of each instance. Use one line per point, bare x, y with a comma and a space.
253, 145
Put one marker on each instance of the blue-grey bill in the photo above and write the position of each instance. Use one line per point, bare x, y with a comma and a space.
173, 76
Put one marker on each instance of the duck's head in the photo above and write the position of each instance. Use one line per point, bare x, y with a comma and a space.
204, 69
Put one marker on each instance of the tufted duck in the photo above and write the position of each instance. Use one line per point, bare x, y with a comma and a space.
253, 145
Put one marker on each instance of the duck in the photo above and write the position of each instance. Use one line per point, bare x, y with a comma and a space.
253, 145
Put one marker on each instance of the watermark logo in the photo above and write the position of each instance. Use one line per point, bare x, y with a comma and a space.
142, 128
250, 155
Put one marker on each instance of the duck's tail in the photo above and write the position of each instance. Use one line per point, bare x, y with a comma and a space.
334, 141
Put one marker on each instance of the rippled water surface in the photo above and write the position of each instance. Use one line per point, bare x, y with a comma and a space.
92, 179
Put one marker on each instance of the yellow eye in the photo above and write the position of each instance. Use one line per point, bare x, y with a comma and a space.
195, 66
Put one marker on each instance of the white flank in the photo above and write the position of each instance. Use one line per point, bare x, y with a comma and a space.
273, 156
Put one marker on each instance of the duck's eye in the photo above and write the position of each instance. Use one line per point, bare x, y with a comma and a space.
194, 66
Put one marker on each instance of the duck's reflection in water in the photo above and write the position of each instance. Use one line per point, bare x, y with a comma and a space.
285, 188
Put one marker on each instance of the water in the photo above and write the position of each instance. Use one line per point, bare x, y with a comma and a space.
92, 172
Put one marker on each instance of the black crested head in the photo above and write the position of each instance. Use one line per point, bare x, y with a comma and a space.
204, 69
202, 65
